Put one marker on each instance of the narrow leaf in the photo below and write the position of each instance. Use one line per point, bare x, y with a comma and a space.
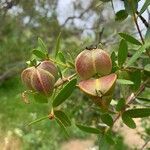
61, 57
128, 121
65, 93
123, 81
114, 64
137, 54
62, 126
59, 72
40, 98
71, 64
147, 35
145, 6
130, 38
135, 76
88, 129
57, 47
39, 54
38, 120
138, 112
62, 117
107, 119
121, 104
122, 52
42, 45
121, 15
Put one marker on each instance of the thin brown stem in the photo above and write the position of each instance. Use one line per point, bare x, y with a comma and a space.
139, 31
138, 28
131, 98
143, 19
143, 147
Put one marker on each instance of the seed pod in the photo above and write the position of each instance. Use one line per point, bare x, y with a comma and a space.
100, 90
91, 62
50, 67
41, 78
26, 77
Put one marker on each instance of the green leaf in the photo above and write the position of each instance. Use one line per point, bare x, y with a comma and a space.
39, 54
147, 35
62, 126
32, 62
113, 59
88, 129
61, 57
130, 38
137, 54
57, 47
42, 45
138, 112
128, 121
110, 137
38, 120
107, 119
40, 98
131, 6
103, 143
59, 72
145, 6
121, 15
145, 95
71, 64
135, 77
121, 104
122, 52
62, 117
123, 81
64, 93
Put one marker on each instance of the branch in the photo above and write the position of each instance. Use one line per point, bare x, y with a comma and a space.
131, 98
143, 19
77, 17
138, 28
61, 81
143, 147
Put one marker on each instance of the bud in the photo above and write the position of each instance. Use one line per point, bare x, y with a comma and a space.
100, 90
91, 62
41, 78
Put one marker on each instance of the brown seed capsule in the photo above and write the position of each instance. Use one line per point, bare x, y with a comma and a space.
91, 62
50, 67
100, 90
26, 77
41, 78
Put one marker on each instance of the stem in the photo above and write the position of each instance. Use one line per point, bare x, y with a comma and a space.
64, 65
143, 19
61, 81
131, 98
38, 120
138, 28
143, 147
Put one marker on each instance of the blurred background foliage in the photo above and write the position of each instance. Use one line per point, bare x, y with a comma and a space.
81, 24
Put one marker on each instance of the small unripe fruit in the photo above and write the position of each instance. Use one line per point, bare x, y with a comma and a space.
100, 90
91, 62
41, 78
